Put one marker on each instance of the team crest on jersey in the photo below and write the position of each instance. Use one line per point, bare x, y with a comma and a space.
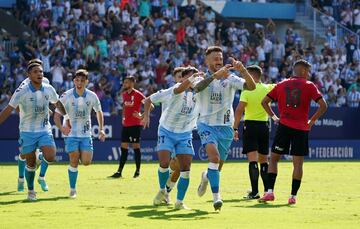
87, 103
46, 97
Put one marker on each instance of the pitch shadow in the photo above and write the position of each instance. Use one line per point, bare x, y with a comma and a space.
38, 200
159, 213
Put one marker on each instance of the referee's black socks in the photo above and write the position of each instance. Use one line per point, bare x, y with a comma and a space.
254, 177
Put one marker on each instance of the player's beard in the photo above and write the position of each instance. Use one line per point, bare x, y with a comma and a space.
216, 67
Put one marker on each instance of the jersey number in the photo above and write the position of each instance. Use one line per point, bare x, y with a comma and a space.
292, 97
161, 139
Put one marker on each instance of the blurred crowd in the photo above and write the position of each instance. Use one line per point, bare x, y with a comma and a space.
147, 39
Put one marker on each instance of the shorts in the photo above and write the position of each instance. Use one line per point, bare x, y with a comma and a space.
256, 137
30, 141
131, 134
78, 144
176, 143
221, 136
287, 137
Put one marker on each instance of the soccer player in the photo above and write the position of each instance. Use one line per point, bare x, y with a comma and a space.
175, 132
256, 130
131, 120
293, 96
39, 156
35, 130
215, 124
78, 103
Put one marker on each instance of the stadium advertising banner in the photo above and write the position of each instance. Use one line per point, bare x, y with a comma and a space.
110, 150
335, 124
336, 135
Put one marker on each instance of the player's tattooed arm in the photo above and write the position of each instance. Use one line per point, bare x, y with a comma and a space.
60, 107
221, 73
203, 84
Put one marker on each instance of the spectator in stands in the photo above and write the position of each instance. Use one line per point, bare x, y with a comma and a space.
353, 98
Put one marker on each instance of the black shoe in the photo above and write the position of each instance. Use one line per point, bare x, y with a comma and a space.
136, 174
252, 196
116, 175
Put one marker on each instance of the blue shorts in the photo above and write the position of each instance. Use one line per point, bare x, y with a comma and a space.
78, 144
221, 136
30, 141
176, 143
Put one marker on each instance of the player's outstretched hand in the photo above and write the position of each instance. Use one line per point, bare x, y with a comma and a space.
237, 65
146, 121
102, 135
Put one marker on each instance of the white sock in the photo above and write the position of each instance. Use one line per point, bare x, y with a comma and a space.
178, 201
171, 184
270, 191
41, 178
216, 196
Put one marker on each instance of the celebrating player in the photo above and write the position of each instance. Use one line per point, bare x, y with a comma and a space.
175, 132
35, 130
216, 119
293, 96
256, 130
78, 103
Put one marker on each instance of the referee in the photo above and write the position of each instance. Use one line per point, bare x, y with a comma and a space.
255, 131
131, 121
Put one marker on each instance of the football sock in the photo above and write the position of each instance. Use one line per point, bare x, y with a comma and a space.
137, 156
163, 174
123, 158
264, 174
183, 185
271, 181
295, 186
30, 175
73, 174
214, 176
43, 167
254, 176
21, 167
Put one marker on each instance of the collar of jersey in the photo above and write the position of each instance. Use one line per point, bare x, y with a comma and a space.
34, 89
77, 95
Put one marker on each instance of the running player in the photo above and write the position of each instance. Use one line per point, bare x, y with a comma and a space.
293, 96
256, 130
175, 132
78, 103
216, 119
131, 120
35, 130
39, 156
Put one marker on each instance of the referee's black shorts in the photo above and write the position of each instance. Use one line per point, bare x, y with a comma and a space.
287, 137
256, 137
131, 134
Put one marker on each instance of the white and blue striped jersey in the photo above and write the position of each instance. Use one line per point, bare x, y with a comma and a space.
217, 101
34, 106
27, 80
180, 111
79, 110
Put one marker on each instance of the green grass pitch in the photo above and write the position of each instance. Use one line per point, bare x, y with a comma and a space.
329, 197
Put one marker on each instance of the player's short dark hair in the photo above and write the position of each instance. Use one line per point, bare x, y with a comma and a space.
81, 72
211, 49
34, 63
131, 78
303, 63
177, 70
188, 70
256, 69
